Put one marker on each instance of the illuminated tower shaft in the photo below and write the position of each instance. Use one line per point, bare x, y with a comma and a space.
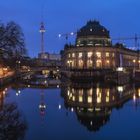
42, 31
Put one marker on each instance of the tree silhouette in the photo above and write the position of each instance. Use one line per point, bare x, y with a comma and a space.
12, 124
12, 42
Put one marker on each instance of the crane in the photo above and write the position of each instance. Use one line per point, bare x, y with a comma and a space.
135, 38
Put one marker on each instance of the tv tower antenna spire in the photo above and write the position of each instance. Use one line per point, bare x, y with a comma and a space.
42, 31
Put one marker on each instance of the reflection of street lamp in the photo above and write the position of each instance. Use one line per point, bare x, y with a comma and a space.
42, 105
139, 64
18, 64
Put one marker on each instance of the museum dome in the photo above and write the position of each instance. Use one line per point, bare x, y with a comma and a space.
93, 34
93, 28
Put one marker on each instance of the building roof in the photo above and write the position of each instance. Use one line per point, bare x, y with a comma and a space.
93, 28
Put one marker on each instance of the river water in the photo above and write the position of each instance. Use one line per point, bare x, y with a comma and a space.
71, 111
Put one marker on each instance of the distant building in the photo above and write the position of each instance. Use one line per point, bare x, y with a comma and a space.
47, 59
48, 56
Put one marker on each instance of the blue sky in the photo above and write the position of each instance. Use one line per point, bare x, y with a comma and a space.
121, 17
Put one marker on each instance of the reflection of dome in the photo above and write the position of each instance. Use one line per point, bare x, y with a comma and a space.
93, 28
93, 34
94, 120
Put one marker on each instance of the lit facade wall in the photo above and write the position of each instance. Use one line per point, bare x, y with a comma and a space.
99, 58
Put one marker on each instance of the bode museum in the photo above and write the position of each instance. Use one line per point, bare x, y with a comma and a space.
94, 54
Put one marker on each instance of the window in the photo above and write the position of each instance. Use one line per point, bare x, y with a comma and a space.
98, 54
73, 55
90, 54
107, 61
69, 55
107, 54
89, 63
98, 63
113, 55
80, 95
80, 55
81, 64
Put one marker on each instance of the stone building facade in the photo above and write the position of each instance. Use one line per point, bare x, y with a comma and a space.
94, 51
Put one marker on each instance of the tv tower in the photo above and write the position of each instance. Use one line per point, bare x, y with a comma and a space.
42, 31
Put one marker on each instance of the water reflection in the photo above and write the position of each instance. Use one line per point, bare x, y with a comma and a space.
93, 103
42, 105
12, 123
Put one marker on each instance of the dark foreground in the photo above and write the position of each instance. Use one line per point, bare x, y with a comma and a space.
74, 111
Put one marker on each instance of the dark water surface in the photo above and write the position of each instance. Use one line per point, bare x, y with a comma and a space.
74, 111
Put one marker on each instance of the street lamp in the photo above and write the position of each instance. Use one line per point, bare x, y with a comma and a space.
134, 61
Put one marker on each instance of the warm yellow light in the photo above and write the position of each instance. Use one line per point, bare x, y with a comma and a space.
5, 69
139, 92
68, 92
98, 99
89, 99
98, 54
107, 54
90, 54
99, 61
107, 61
134, 61
80, 55
120, 69
107, 99
73, 54
120, 88
80, 98
73, 98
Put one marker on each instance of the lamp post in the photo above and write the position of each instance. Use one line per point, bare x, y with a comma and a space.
134, 69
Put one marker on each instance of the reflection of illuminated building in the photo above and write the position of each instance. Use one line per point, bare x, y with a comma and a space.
93, 104
3, 93
42, 105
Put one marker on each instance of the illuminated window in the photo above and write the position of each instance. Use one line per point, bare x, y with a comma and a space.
139, 92
81, 63
98, 54
90, 54
80, 55
73, 98
98, 63
113, 55
69, 55
98, 99
90, 92
70, 63
89, 63
107, 61
80, 95
120, 88
89, 99
73, 54
99, 95
107, 95
107, 54
107, 99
